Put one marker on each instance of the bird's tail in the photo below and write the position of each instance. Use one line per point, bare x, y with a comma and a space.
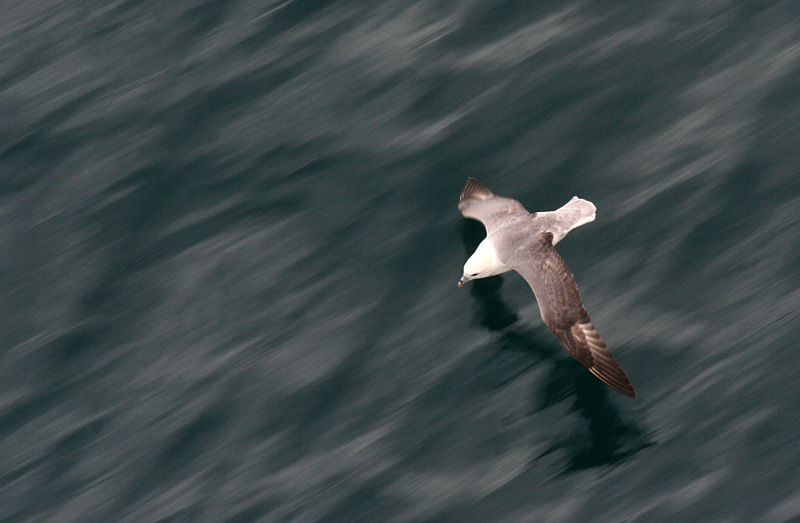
579, 211
574, 213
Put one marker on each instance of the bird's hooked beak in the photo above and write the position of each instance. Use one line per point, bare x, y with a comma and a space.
462, 281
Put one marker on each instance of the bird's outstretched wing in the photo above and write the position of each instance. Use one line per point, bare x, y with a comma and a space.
479, 203
563, 312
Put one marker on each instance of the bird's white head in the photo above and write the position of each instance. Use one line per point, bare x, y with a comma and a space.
482, 264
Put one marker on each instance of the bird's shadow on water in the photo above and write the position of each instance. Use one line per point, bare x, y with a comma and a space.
608, 439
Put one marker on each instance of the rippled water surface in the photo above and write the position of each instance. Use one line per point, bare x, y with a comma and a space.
229, 248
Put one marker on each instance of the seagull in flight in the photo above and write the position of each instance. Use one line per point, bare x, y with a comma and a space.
524, 242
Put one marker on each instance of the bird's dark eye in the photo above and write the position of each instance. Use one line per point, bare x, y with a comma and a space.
475, 274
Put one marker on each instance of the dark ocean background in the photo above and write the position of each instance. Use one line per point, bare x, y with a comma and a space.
230, 243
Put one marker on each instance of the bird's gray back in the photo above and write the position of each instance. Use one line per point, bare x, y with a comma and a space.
527, 248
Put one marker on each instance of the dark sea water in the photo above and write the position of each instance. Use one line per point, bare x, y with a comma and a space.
229, 249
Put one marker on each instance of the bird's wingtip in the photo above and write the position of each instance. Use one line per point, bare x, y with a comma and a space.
474, 189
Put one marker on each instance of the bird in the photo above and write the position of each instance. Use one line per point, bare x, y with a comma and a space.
525, 242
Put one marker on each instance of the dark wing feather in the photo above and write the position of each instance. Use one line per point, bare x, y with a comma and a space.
478, 202
562, 309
